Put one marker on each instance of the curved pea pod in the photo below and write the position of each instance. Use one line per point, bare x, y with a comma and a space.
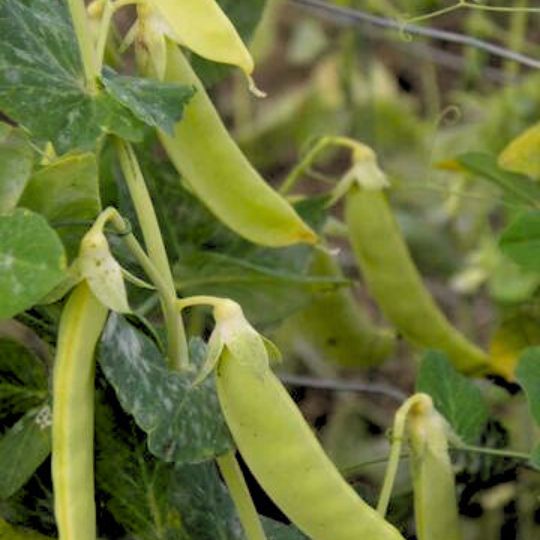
81, 324
201, 25
335, 326
394, 280
281, 450
435, 506
217, 171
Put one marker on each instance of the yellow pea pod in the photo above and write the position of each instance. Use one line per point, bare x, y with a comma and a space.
81, 324
522, 154
281, 450
335, 326
435, 506
394, 281
201, 26
220, 175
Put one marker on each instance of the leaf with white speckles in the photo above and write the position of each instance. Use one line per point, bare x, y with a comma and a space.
16, 157
183, 422
156, 103
42, 80
32, 261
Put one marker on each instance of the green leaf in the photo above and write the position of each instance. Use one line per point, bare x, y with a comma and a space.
23, 448
528, 376
521, 241
266, 294
32, 261
23, 379
157, 104
136, 483
16, 157
278, 531
517, 186
183, 422
42, 80
535, 457
8, 532
455, 396
66, 192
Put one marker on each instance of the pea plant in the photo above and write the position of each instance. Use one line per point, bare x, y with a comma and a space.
160, 299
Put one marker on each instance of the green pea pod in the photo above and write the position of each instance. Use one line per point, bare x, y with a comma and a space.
435, 507
394, 281
220, 175
278, 445
335, 326
81, 323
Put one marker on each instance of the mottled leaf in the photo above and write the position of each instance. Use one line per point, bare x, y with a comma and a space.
42, 81
16, 158
183, 422
455, 396
521, 241
528, 376
23, 448
156, 103
66, 192
32, 261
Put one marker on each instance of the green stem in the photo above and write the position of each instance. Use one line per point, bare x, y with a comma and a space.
499, 452
305, 163
84, 38
176, 336
240, 495
398, 432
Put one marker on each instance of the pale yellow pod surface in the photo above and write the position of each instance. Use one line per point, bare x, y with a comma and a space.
522, 154
287, 460
81, 324
201, 25
219, 173
435, 505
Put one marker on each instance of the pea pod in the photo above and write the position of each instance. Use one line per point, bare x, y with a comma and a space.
435, 507
201, 25
335, 326
393, 279
81, 323
217, 171
278, 445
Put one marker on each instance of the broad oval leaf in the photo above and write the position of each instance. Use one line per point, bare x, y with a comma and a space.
521, 241
32, 261
66, 192
183, 422
455, 396
16, 158
521, 154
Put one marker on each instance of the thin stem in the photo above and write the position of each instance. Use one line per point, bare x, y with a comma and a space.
199, 300
176, 336
104, 27
240, 494
398, 432
305, 163
511, 454
168, 301
82, 31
